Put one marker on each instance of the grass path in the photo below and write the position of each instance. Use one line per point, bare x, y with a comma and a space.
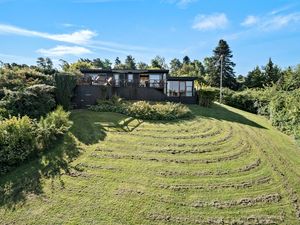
224, 166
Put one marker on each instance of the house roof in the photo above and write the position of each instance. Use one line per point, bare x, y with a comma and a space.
99, 70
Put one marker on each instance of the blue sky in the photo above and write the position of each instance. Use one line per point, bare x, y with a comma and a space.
71, 29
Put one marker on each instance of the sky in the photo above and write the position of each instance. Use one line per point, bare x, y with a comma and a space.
71, 29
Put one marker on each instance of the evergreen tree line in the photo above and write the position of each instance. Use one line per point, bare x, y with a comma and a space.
208, 71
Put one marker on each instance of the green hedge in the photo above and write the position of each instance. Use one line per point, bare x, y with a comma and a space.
284, 111
144, 110
207, 96
22, 137
281, 107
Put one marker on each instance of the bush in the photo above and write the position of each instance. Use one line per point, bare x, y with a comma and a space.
17, 141
244, 100
207, 96
3, 113
284, 111
143, 109
34, 101
54, 125
64, 88
22, 137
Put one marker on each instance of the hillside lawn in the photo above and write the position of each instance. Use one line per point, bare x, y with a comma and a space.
223, 166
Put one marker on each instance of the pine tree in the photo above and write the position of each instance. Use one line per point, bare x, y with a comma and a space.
118, 63
272, 73
229, 79
130, 63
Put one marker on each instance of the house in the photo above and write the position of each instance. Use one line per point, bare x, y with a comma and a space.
150, 85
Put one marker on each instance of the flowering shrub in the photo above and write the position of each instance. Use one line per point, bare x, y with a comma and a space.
144, 110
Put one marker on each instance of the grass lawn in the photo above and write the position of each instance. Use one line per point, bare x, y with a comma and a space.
223, 166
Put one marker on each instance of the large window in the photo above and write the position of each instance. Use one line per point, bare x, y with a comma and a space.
173, 88
180, 88
155, 80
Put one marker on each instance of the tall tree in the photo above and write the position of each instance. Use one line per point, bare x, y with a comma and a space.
159, 63
223, 50
175, 66
130, 63
255, 78
142, 66
186, 60
104, 64
118, 63
272, 73
45, 65
212, 78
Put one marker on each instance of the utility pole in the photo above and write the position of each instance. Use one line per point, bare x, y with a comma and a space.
221, 78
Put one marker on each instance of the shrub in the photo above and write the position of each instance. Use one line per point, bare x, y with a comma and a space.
17, 141
64, 88
3, 113
22, 137
144, 110
284, 111
54, 125
243, 100
207, 96
34, 101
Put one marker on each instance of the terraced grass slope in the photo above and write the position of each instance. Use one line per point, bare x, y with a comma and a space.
224, 166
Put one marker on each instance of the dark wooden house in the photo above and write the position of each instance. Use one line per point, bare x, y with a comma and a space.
150, 85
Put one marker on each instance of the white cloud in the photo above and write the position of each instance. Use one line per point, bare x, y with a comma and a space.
280, 21
180, 3
210, 22
78, 37
250, 20
62, 50
272, 22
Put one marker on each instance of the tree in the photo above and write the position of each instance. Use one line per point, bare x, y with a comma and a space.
159, 63
103, 64
212, 77
142, 66
272, 73
255, 78
290, 79
130, 63
80, 64
65, 66
118, 63
45, 65
198, 68
223, 50
175, 66
186, 60
64, 89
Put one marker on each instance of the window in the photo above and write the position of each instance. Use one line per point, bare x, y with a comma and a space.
180, 88
117, 79
189, 88
155, 80
172, 89
130, 78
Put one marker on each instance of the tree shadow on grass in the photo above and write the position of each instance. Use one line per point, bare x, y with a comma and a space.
220, 112
26, 180
90, 127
